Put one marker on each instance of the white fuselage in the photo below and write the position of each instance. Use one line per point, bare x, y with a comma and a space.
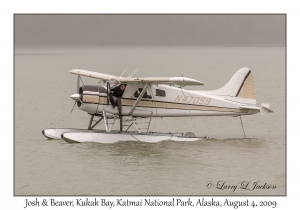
164, 101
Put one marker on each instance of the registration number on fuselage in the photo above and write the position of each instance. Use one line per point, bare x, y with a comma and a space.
192, 99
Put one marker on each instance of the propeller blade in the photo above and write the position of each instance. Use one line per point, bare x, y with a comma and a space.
78, 84
73, 107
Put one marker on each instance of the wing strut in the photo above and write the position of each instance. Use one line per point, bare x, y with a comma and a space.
138, 99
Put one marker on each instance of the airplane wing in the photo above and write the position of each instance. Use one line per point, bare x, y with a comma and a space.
92, 74
183, 81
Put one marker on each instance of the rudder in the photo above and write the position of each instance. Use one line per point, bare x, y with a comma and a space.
247, 89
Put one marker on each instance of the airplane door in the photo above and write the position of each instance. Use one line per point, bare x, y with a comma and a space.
145, 106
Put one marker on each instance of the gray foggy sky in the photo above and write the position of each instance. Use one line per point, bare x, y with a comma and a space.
149, 30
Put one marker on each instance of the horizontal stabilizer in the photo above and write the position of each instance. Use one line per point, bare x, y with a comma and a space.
264, 109
249, 107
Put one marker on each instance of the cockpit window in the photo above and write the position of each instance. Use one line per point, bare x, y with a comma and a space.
160, 93
146, 94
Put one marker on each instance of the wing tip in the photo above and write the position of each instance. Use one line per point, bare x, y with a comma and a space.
74, 71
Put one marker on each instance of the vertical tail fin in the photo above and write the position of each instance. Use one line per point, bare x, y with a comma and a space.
239, 88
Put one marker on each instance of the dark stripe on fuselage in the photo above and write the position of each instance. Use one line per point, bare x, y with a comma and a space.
155, 101
163, 105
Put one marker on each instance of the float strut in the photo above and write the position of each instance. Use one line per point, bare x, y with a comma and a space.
90, 124
91, 120
121, 121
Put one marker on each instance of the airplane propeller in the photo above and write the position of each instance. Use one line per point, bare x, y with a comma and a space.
77, 95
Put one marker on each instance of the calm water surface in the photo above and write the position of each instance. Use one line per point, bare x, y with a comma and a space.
53, 167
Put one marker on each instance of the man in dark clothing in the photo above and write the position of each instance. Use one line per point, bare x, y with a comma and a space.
116, 97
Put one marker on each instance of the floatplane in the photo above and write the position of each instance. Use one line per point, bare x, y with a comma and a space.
148, 97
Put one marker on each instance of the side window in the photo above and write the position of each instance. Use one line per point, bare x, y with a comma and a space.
138, 92
161, 93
